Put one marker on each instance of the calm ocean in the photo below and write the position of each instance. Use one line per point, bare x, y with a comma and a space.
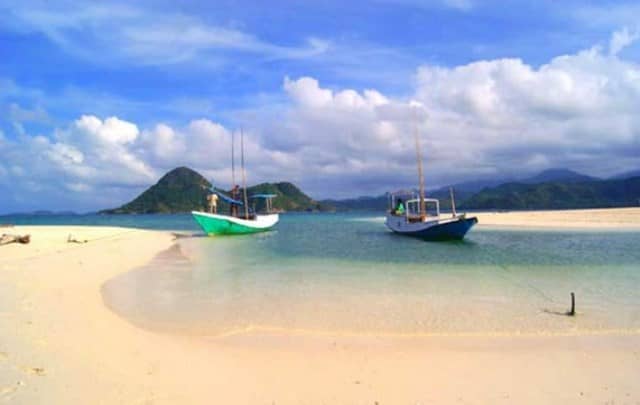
345, 273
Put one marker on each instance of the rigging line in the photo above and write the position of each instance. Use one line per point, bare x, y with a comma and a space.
522, 284
423, 210
233, 162
244, 176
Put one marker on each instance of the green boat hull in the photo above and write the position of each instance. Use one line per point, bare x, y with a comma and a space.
213, 224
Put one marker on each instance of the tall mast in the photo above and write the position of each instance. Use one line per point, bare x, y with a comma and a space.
244, 176
423, 209
453, 203
233, 165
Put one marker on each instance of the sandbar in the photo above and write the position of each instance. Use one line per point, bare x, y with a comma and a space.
59, 343
591, 219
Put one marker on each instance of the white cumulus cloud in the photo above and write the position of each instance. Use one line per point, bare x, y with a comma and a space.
500, 117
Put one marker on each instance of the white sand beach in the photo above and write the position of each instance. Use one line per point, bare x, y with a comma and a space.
59, 343
609, 218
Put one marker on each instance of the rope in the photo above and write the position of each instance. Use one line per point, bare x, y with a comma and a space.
523, 284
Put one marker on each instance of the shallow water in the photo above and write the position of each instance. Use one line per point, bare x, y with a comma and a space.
348, 274
143, 221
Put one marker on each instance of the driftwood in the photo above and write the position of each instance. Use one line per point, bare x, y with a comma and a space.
71, 239
5, 239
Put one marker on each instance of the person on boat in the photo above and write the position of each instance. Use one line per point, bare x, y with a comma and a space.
400, 207
235, 193
212, 199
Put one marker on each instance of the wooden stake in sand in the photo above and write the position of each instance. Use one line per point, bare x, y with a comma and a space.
572, 312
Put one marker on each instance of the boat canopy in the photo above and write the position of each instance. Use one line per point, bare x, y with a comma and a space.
267, 200
263, 196
226, 198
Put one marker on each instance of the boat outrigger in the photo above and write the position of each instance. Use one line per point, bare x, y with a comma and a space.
410, 217
240, 219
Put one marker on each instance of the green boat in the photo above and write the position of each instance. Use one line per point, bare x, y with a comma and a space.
235, 223
216, 224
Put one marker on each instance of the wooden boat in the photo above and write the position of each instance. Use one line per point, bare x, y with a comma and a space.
216, 224
432, 226
410, 216
241, 219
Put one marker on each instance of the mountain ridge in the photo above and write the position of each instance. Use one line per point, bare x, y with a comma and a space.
557, 180
558, 195
555, 175
184, 190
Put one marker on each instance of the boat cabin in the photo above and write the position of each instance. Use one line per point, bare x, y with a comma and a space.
407, 204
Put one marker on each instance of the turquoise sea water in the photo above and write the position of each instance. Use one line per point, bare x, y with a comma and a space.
159, 221
345, 273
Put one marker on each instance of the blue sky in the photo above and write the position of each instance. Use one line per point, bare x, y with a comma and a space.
106, 97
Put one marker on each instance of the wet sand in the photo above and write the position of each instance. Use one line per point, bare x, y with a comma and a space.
59, 343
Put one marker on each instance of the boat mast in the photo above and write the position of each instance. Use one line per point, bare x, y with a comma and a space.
453, 203
244, 176
233, 165
423, 209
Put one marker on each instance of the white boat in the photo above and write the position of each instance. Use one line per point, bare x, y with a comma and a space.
430, 226
410, 217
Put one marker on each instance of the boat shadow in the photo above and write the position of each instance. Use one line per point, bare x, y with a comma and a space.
187, 235
183, 235
467, 243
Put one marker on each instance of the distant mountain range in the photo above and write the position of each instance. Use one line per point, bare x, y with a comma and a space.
556, 175
363, 203
550, 189
626, 175
184, 190
558, 195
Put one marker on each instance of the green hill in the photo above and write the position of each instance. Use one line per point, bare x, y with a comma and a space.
184, 190
558, 195
180, 190
289, 198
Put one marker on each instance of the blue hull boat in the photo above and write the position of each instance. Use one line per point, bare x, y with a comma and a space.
454, 230
415, 222
409, 215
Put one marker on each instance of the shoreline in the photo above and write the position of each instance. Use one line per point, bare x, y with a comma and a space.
593, 219
620, 219
59, 343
